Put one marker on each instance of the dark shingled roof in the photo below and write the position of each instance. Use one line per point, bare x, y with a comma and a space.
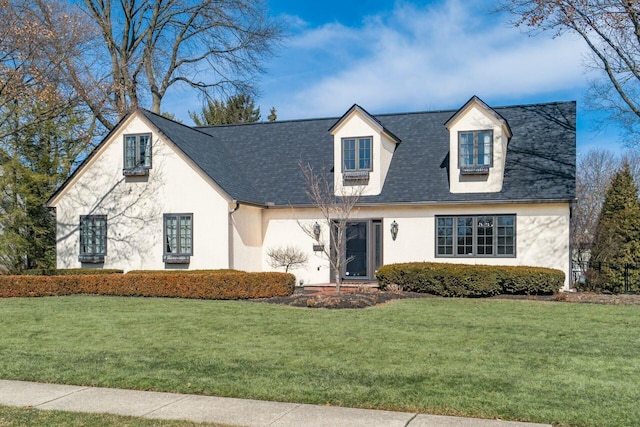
211, 155
258, 162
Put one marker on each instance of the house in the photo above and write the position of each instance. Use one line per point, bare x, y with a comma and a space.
479, 185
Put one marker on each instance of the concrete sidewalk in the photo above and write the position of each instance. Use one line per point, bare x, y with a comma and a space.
241, 412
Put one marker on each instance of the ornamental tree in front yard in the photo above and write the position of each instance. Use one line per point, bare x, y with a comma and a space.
336, 209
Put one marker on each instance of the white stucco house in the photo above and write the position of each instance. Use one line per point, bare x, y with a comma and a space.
479, 185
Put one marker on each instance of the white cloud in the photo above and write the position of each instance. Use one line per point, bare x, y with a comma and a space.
419, 58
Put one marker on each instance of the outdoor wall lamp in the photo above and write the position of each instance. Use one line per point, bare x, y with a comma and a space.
316, 231
394, 230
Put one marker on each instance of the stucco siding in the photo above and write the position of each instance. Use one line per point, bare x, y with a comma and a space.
282, 228
542, 235
134, 207
246, 241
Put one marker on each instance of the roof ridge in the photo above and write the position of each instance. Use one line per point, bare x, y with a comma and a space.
144, 110
265, 122
374, 115
187, 146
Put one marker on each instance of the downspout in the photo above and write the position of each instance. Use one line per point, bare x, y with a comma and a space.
230, 231
570, 281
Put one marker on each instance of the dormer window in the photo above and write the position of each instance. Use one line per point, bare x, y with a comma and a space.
137, 154
356, 154
475, 149
362, 152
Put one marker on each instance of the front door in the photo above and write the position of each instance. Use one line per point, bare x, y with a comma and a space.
357, 251
363, 250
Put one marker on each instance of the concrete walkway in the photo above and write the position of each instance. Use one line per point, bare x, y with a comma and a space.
241, 412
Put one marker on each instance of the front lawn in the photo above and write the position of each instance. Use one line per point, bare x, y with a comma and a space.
20, 417
568, 364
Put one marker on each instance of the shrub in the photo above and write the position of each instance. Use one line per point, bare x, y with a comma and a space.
531, 280
184, 271
609, 278
463, 280
223, 285
70, 271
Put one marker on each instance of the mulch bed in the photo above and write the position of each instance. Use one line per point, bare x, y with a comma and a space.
343, 300
372, 298
615, 299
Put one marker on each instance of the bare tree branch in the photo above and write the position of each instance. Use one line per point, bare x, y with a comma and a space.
611, 30
135, 50
289, 257
336, 210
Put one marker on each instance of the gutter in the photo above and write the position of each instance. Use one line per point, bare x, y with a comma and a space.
438, 203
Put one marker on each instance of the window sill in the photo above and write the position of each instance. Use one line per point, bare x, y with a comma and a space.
91, 259
355, 178
176, 259
474, 170
135, 172
470, 256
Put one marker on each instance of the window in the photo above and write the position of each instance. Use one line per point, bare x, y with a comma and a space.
137, 154
476, 236
356, 154
178, 238
475, 151
93, 238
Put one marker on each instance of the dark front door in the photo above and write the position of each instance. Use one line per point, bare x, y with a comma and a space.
363, 250
357, 256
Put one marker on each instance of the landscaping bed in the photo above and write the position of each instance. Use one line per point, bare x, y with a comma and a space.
342, 300
616, 299
370, 298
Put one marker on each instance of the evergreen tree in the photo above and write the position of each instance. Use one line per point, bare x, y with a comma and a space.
273, 114
36, 155
617, 238
236, 109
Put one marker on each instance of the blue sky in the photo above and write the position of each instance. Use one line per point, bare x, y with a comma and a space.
417, 55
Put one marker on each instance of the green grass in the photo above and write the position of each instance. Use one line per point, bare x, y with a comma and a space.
20, 417
561, 363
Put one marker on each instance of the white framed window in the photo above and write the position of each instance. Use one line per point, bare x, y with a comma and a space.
137, 154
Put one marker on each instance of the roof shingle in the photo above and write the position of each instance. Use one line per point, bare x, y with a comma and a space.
540, 163
259, 162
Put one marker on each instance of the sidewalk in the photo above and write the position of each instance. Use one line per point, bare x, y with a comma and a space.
241, 412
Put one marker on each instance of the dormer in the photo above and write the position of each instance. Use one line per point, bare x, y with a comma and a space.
362, 152
478, 139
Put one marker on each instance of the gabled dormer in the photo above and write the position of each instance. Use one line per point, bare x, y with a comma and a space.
362, 152
478, 139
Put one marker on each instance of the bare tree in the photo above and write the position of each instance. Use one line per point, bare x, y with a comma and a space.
632, 158
142, 48
29, 75
336, 210
42, 132
289, 257
611, 30
593, 176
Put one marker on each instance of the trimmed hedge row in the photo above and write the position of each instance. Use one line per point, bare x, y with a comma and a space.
71, 271
226, 285
184, 271
464, 280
